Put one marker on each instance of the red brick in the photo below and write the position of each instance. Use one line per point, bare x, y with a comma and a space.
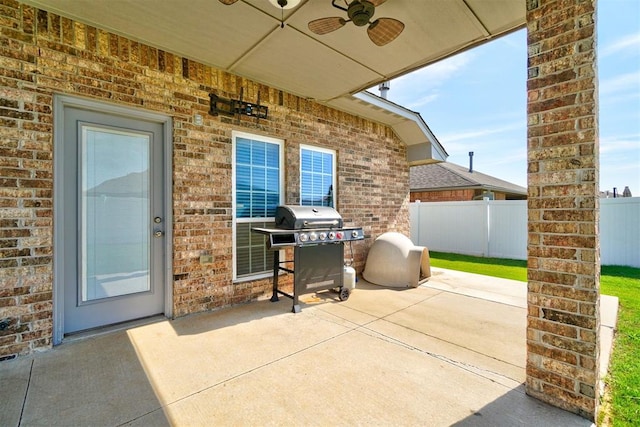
552, 353
551, 378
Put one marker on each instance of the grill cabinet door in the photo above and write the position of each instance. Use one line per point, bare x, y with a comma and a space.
318, 267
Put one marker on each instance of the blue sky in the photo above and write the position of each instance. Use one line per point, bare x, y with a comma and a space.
476, 101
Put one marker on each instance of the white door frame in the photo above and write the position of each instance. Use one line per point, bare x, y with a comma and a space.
59, 104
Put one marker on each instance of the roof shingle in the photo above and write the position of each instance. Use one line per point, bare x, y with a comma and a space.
444, 175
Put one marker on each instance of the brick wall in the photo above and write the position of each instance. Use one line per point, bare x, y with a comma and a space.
42, 53
451, 195
563, 248
443, 195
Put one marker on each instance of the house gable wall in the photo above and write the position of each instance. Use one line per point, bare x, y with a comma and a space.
42, 54
461, 195
443, 195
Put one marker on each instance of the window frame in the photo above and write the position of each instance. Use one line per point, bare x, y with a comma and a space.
334, 174
235, 220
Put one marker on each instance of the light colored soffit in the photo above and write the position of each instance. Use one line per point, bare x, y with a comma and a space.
246, 39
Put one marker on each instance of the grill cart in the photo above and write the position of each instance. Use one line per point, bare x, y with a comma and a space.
317, 236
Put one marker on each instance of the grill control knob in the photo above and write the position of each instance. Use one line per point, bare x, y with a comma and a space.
323, 236
354, 233
332, 235
313, 237
303, 237
339, 235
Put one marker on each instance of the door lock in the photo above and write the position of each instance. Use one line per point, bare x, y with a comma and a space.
157, 220
158, 233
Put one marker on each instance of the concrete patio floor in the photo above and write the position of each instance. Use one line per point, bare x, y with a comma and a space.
450, 352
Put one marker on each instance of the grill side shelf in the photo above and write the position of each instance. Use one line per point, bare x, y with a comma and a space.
277, 238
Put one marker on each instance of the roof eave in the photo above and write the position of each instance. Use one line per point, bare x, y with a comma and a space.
403, 118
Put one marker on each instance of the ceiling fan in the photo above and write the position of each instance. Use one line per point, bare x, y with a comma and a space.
381, 31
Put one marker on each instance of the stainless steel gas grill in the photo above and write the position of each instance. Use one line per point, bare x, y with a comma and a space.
317, 236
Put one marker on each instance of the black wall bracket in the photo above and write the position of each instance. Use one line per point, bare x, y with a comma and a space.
233, 107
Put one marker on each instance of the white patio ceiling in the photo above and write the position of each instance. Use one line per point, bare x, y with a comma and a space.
246, 39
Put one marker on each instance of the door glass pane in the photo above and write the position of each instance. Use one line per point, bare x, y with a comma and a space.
114, 213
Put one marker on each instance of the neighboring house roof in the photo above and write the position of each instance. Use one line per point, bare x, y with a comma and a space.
447, 176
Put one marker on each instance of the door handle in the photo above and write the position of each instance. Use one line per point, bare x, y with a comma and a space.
158, 233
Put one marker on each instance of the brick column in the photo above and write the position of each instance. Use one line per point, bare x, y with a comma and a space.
563, 249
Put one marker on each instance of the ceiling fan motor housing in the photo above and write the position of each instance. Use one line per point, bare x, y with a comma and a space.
360, 12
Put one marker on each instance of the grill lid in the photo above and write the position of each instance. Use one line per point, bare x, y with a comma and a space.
304, 217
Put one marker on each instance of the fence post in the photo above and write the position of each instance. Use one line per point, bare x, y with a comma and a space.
488, 226
419, 235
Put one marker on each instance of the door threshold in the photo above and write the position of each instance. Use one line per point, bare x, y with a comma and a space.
108, 329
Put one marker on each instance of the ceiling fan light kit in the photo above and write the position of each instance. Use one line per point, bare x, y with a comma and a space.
284, 4
280, 4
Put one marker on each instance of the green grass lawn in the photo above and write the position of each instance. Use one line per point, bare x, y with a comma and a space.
623, 382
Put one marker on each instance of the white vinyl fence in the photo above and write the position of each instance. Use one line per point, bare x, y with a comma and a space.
498, 228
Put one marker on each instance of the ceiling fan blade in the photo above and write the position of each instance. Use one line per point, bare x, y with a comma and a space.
384, 30
227, 2
326, 25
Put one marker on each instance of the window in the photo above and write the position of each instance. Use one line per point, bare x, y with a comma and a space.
317, 176
257, 191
